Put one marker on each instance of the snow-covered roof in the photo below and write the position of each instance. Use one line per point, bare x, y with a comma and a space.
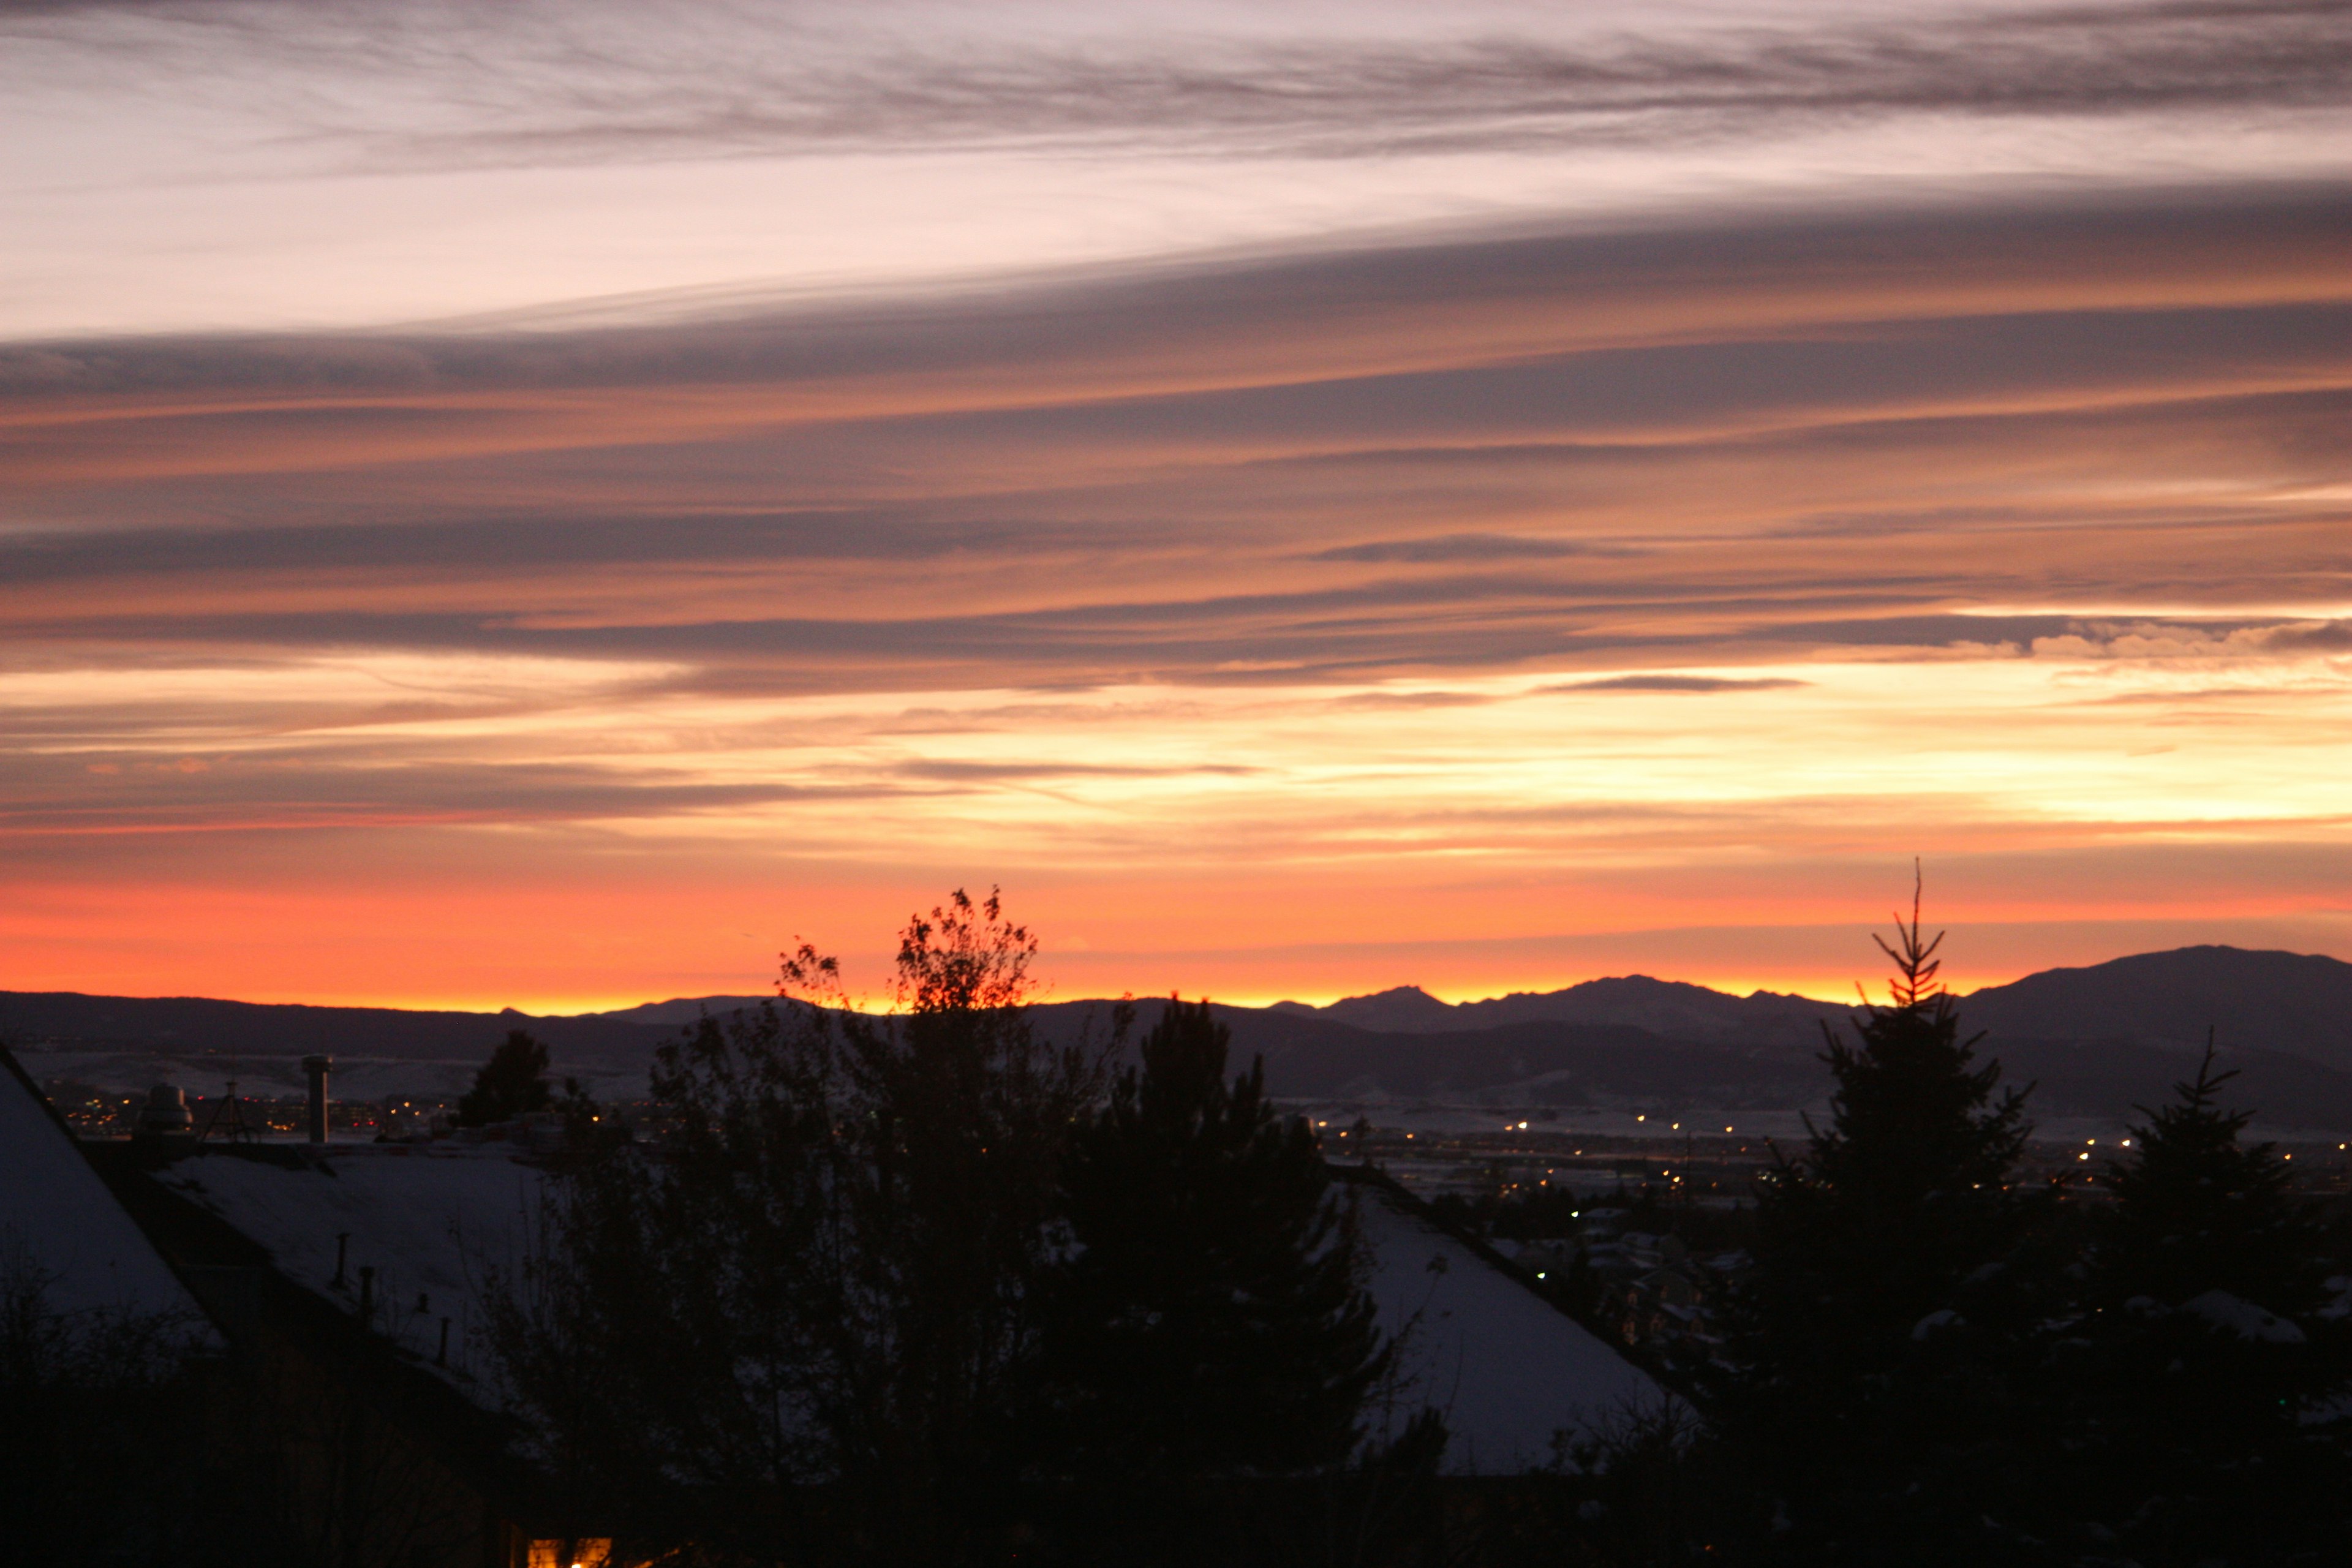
432, 1221
1507, 1368
58, 1220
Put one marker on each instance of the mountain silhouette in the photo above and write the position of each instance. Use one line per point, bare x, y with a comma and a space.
2300, 1003
2296, 1002
2096, 1040
1671, 1008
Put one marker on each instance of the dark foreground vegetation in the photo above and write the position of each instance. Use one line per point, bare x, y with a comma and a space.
921, 1288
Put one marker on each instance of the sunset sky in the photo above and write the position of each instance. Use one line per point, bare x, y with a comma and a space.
546, 503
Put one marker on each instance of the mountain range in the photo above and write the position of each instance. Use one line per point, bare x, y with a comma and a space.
2096, 1041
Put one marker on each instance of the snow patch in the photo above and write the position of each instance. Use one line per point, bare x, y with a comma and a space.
1935, 1322
2243, 1318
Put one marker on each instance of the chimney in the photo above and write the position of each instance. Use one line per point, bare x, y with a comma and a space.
316, 1066
165, 1114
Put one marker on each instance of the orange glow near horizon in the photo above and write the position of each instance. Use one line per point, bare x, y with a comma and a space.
301, 946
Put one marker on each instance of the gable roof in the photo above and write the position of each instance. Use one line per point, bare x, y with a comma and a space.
58, 1219
1505, 1366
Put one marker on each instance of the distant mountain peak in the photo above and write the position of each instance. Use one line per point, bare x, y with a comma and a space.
1400, 1009
2252, 998
1675, 1008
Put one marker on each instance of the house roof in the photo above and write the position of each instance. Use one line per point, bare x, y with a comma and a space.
433, 1223
58, 1219
1506, 1367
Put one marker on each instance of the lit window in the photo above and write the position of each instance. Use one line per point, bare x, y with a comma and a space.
585, 1553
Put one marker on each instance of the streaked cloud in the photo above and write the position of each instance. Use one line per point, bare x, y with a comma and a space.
537, 84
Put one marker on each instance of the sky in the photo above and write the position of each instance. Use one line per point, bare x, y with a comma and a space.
549, 504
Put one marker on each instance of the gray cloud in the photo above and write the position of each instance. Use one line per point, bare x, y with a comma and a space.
1220, 475
542, 85
1239, 317
1457, 547
96, 791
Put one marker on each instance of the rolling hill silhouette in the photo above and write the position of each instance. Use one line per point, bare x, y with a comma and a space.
2095, 1040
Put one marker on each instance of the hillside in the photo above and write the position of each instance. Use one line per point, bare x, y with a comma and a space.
2096, 1040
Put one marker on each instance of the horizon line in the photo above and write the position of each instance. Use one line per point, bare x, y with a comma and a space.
571, 1008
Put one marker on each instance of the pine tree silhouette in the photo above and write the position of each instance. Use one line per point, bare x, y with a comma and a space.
1915, 1162
1212, 1319
2195, 1386
2197, 1210
1876, 1334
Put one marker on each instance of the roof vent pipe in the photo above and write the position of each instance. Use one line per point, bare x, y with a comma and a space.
316, 1066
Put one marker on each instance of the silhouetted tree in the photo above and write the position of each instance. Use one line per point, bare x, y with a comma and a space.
1212, 1318
103, 1451
829, 1280
1881, 1326
513, 1081
2196, 1209
2200, 1382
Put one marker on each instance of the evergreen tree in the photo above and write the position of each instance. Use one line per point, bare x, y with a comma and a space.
513, 1081
1878, 1338
2200, 1382
1212, 1317
2197, 1210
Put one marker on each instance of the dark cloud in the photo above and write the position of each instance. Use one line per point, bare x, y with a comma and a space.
1458, 547
135, 791
1702, 445
1101, 331
539, 85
